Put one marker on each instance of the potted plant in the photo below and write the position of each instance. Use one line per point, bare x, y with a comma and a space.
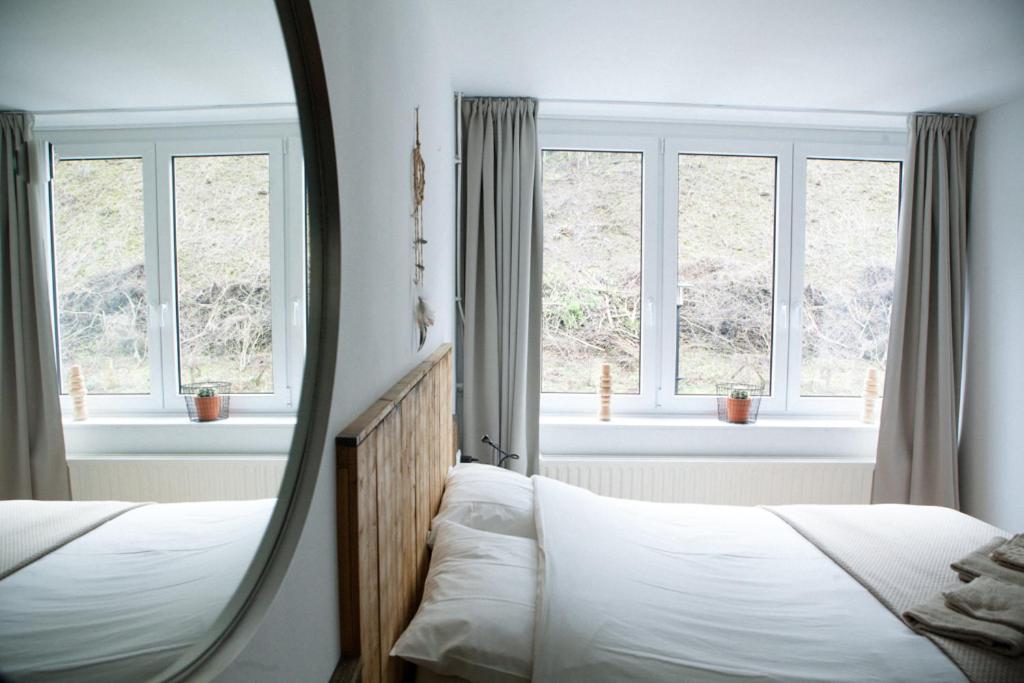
207, 404
737, 406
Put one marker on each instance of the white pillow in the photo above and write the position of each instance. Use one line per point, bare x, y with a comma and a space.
476, 617
487, 498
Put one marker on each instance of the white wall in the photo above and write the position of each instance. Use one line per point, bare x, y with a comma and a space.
992, 447
382, 59
129, 54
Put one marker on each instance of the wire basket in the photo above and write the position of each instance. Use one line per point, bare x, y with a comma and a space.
203, 409
739, 411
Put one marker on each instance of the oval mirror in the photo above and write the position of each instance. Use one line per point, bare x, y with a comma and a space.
168, 330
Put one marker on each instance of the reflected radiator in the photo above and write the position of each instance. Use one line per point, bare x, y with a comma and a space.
175, 479
722, 482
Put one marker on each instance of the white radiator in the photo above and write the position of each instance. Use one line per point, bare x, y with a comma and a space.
716, 481
174, 479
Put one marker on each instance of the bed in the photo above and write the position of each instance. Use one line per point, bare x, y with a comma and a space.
534, 579
106, 591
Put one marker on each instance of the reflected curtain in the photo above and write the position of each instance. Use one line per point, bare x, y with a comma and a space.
500, 271
919, 432
32, 460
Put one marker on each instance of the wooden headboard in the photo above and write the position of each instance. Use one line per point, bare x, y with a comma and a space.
392, 463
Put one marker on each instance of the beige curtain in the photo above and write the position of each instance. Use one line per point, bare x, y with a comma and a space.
919, 432
32, 462
500, 271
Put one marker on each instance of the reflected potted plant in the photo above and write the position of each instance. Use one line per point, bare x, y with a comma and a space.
207, 404
737, 406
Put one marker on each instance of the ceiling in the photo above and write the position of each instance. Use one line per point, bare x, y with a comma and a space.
60, 55
850, 55
892, 56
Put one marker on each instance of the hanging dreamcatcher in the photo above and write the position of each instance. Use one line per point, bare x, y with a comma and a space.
424, 316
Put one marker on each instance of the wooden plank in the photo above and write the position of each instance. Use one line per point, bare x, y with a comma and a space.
348, 552
396, 499
357, 556
424, 449
360, 428
369, 572
348, 670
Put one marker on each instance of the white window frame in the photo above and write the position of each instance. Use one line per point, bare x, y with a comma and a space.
668, 400
661, 143
157, 148
649, 267
820, 405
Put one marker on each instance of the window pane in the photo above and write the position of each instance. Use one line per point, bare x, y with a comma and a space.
222, 249
726, 271
592, 227
849, 262
100, 273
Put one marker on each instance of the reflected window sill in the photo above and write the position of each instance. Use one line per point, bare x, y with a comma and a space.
176, 420
146, 435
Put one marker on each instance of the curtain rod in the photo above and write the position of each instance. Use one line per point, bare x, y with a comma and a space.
196, 107
737, 107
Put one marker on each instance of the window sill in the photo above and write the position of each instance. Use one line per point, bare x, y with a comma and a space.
704, 436
167, 435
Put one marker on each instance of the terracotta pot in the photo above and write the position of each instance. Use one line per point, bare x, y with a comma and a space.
737, 410
208, 408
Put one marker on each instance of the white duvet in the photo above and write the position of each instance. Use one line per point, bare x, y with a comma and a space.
124, 601
633, 591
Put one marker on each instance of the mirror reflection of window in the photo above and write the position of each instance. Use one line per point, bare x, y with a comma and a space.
222, 260
98, 223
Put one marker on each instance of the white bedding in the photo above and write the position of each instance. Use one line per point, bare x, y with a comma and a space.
122, 602
659, 592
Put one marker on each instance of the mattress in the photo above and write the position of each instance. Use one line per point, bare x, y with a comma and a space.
126, 599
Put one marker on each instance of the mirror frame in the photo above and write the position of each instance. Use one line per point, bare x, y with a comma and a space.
245, 611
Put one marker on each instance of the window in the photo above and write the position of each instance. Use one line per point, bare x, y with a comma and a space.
100, 272
592, 269
691, 262
224, 310
178, 260
726, 253
849, 270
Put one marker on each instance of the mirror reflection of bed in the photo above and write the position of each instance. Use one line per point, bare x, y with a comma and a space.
167, 178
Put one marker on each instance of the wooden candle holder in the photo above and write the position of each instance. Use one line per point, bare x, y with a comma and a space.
77, 390
604, 391
870, 396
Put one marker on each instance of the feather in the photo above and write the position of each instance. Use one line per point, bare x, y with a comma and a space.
424, 320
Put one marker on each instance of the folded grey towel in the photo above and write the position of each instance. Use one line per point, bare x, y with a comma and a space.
979, 563
990, 599
933, 616
1011, 553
